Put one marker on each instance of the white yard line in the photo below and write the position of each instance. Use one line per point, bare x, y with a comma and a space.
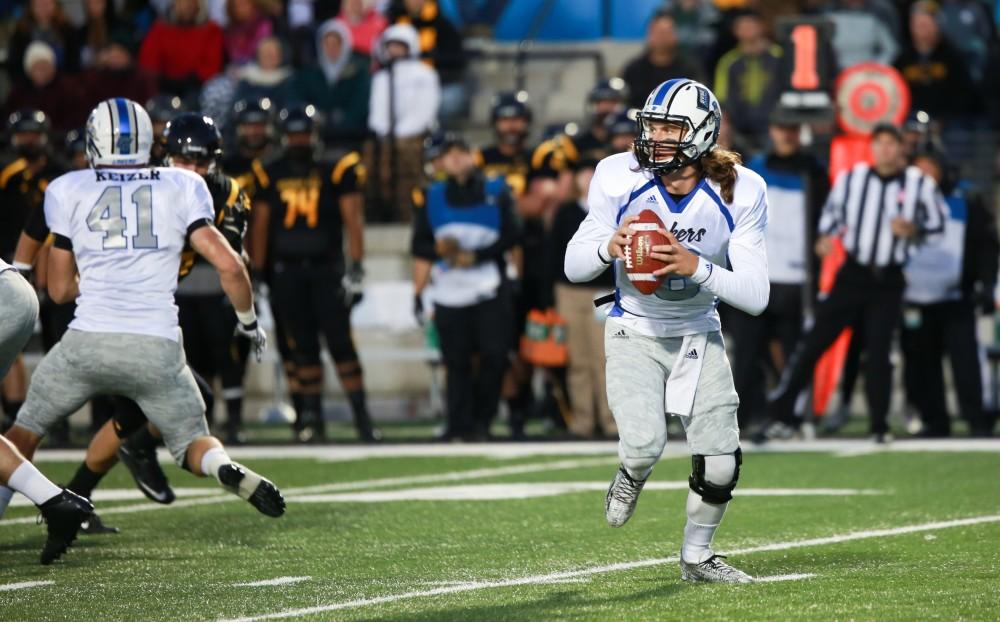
218, 496
786, 577
675, 448
10, 587
269, 582
532, 490
619, 567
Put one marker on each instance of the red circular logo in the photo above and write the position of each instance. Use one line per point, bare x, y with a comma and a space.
868, 94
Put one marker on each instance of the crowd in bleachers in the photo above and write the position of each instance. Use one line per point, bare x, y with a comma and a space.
382, 78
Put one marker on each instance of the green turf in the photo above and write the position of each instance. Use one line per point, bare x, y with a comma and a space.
181, 563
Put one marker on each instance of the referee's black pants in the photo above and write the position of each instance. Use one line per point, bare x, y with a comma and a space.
473, 382
860, 297
930, 332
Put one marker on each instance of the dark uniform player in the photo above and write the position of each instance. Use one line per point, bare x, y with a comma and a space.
252, 120
205, 315
161, 109
23, 178
301, 210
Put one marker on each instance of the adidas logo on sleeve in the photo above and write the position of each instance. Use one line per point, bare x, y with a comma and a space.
693, 354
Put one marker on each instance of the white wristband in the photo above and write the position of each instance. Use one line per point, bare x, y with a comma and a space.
703, 272
22, 267
246, 318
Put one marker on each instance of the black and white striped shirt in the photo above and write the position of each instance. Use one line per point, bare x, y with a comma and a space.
863, 204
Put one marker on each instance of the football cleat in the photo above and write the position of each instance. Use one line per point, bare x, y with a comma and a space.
94, 526
63, 514
147, 472
713, 570
260, 492
623, 494
774, 430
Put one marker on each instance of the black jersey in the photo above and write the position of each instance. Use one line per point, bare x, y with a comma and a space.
304, 201
22, 195
232, 213
246, 170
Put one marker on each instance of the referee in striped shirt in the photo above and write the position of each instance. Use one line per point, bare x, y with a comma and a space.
881, 212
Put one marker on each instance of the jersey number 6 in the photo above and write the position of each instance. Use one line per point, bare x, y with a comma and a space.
108, 217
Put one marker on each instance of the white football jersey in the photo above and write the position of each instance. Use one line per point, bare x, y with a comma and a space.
128, 228
4, 266
716, 230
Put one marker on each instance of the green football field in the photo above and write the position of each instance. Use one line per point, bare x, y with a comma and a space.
516, 532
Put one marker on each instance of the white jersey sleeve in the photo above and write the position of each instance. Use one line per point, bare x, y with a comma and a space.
746, 286
587, 253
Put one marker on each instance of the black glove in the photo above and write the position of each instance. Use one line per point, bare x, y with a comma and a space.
353, 284
418, 309
984, 298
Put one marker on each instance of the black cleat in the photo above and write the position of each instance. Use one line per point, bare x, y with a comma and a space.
63, 514
147, 473
260, 492
94, 526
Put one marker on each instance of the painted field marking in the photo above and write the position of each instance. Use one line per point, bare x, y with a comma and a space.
276, 581
785, 577
619, 567
531, 490
218, 496
10, 587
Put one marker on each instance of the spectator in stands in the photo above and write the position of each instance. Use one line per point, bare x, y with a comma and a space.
584, 330
248, 24
860, 34
968, 25
339, 84
48, 90
946, 282
44, 20
402, 112
98, 30
365, 23
440, 45
268, 77
694, 21
934, 69
746, 78
660, 61
183, 50
463, 226
115, 74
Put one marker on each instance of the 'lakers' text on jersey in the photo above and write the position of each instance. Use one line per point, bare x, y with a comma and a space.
305, 220
127, 229
723, 233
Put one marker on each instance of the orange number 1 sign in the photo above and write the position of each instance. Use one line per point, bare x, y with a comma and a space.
804, 76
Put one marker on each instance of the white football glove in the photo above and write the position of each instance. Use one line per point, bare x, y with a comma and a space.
256, 335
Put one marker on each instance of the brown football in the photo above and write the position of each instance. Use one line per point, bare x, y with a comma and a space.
638, 263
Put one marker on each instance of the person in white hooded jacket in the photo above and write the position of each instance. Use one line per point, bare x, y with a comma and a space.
406, 109
417, 90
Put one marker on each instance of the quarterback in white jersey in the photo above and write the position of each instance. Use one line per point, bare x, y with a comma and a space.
665, 353
122, 226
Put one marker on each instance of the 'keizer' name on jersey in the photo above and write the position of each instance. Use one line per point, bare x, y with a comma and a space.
128, 227
727, 234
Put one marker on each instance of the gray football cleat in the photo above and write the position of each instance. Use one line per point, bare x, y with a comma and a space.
713, 570
623, 494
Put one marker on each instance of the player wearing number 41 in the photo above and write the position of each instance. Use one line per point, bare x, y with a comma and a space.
665, 354
123, 225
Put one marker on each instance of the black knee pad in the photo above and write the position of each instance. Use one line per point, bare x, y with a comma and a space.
127, 417
713, 493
